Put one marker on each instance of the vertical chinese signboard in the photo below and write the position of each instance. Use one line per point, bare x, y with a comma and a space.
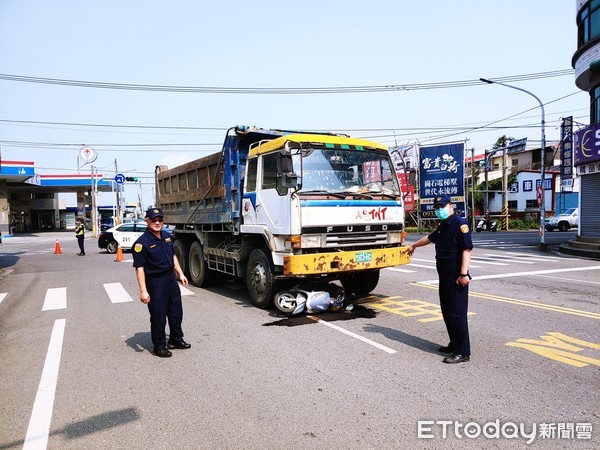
566, 168
441, 172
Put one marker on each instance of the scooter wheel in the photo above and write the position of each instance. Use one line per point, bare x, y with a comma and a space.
285, 302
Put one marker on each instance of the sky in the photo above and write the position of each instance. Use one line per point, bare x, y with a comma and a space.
291, 45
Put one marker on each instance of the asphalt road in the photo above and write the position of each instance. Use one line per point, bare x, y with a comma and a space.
77, 369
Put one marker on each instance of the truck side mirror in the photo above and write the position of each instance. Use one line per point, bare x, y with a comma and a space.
286, 178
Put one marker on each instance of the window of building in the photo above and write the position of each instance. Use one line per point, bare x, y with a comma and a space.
595, 105
515, 162
529, 204
588, 26
42, 195
513, 204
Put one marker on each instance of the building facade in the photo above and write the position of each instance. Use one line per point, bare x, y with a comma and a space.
586, 143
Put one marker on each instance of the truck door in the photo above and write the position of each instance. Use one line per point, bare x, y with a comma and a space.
272, 202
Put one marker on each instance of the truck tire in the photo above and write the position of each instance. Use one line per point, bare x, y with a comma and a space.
361, 283
182, 251
260, 278
200, 274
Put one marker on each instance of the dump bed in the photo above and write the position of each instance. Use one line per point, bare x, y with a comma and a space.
208, 190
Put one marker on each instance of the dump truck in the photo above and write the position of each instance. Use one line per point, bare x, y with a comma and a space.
277, 207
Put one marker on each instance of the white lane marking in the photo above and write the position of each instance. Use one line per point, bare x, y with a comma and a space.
512, 259
523, 274
184, 290
41, 416
569, 279
117, 293
358, 336
400, 270
56, 298
2, 297
426, 260
537, 255
480, 261
421, 265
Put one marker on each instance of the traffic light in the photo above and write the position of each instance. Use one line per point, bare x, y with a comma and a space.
134, 179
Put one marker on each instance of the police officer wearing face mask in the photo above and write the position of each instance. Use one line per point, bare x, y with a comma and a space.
453, 247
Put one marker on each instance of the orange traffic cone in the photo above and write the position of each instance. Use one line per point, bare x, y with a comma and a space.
57, 250
119, 257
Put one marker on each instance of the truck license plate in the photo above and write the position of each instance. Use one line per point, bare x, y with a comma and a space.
363, 257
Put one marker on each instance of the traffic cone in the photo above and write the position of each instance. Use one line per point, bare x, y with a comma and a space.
57, 250
119, 257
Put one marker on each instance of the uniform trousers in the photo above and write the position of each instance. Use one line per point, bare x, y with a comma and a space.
454, 303
165, 304
80, 242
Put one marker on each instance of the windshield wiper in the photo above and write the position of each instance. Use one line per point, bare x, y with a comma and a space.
322, 192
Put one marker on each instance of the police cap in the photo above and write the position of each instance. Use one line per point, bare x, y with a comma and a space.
153, 213
442, 200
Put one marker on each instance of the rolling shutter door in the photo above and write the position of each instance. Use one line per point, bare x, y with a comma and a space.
589, 211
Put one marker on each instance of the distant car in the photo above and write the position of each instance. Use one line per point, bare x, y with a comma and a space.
106, 223
123, 235
565, 220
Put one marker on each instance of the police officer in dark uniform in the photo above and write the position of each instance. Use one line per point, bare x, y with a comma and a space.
156, 267
453, 247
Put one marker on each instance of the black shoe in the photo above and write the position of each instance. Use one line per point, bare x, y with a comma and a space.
453, 359
80, 254
163, 353
446, 349
181, 345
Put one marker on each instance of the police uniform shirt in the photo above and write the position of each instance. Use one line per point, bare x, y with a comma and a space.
154, 254
451, 237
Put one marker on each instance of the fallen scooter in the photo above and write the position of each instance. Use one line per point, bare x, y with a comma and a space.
486, 225
313, 298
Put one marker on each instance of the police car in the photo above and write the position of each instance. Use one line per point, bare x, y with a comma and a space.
124, 235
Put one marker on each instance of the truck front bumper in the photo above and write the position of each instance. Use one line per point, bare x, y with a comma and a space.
348, 261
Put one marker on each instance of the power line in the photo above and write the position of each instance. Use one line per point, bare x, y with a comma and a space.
279, 91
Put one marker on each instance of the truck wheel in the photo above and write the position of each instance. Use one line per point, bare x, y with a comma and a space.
111, 247
182, 251
200, 274
361, 283
563, 226
285, 302
260, 278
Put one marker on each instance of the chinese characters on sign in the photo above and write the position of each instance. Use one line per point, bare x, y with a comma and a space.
566, 168
441, 172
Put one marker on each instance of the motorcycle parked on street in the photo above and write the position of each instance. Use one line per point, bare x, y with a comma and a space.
486, 225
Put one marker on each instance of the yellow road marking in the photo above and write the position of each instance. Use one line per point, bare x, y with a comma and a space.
514, 301
409, 308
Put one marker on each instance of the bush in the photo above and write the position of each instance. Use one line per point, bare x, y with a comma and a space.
520, 224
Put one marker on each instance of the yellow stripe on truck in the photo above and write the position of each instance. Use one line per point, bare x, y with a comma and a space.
349, 261
279, 143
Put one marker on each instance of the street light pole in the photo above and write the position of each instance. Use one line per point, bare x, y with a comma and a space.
543, 168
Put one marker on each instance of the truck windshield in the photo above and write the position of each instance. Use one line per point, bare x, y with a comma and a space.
347, 171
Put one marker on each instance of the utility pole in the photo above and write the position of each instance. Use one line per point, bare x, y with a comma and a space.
473, 180
118, 189
543, 245
504, 189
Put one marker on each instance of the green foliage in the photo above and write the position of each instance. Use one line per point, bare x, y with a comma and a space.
521, 224
503, 141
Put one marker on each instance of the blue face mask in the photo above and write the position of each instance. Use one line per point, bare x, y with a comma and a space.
443, 213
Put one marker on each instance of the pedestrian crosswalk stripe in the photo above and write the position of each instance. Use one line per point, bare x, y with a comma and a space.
56, 298
2, 297
117, 293
184, 290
